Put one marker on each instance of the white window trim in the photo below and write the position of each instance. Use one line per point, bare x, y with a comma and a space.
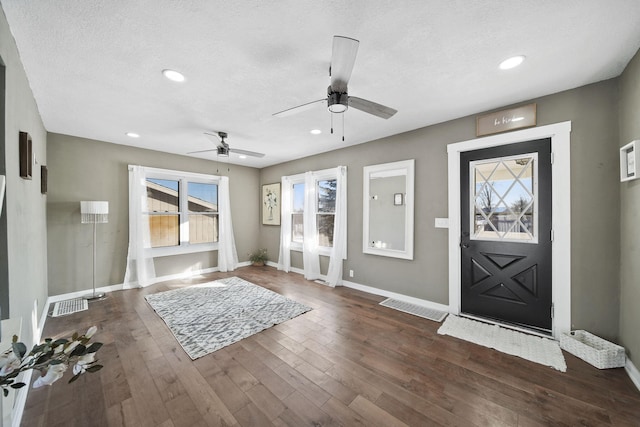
322, 175
183, 179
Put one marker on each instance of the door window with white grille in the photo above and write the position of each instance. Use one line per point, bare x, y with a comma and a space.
504, 199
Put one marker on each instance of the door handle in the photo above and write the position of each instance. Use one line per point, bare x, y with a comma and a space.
464, 245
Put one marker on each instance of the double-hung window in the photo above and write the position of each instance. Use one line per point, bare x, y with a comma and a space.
324, 210
183, 213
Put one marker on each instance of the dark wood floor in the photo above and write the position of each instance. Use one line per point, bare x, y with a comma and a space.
348, 362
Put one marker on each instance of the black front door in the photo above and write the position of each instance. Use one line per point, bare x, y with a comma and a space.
506, 233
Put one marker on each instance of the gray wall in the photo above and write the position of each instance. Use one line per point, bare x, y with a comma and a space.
25, 207
630, 216
595, 194
84, 169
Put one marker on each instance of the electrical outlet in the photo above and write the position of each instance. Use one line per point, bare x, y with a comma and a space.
350, 273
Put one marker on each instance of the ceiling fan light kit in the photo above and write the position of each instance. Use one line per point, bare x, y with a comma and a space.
337, 102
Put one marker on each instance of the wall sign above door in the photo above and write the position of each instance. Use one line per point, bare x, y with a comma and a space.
506, 120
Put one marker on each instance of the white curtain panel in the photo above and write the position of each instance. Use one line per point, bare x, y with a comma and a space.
286, 203
227, 254
339, 249
310, 254
140, 270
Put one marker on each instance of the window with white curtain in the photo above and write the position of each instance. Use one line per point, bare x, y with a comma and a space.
183, 212
297, 214
314, 221
324, 210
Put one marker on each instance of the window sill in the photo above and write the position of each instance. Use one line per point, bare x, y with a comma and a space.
324, 251
184, 249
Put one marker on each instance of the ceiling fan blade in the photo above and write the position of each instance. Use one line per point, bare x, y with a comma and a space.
201, 151
213, 136
246, 153
371, 107
343, 58
298, 109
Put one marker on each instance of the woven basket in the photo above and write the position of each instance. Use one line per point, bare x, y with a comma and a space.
592, 349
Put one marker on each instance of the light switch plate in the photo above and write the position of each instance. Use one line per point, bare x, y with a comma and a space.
442, 222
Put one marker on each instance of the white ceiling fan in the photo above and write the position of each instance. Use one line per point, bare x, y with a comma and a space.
223, 149
338, 100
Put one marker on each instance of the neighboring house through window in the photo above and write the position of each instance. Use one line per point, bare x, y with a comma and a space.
183, 212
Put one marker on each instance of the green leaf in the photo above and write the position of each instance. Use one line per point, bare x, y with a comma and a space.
94, 347
19, 349
78, 351
43, 358
60, 341
74, 337
48, 340
94, 368
38, 348
18, 385
55, 362
15, 339
73, 378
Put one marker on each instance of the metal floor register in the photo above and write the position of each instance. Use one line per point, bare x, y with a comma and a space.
69, 306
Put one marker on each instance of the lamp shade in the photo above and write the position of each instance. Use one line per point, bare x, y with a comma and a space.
94, 212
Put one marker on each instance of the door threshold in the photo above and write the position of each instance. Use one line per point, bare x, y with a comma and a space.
527, 330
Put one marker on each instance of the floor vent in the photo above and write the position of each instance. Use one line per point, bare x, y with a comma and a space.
416, 310
62, 308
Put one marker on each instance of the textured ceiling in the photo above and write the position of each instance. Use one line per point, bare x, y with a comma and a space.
95, 66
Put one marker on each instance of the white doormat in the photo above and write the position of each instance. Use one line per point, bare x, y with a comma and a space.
416, 310
530, 347
62, 308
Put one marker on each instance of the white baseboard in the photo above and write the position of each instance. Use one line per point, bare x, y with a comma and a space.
119, 287
405, 298
21, 399
633, 373
78, 294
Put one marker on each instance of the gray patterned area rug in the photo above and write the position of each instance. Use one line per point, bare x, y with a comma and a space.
209, 316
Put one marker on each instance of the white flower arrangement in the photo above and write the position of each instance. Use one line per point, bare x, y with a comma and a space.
51, 359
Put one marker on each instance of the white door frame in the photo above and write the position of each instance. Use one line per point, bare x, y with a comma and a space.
560, 134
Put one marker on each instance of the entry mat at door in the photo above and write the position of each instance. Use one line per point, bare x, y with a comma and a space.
536, 349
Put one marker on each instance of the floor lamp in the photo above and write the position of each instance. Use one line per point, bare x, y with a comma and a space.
94, 213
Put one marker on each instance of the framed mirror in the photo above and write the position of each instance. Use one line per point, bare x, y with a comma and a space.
388, 209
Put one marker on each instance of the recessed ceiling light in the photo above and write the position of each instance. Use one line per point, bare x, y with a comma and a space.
242, 156
173, 75
132, 135
315, 131
512, 62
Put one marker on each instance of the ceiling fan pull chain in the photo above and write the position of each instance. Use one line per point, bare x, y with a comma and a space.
331, 115
342, 127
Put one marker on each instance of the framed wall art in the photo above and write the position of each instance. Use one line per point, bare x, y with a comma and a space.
271, 204
26, 155
629, 161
